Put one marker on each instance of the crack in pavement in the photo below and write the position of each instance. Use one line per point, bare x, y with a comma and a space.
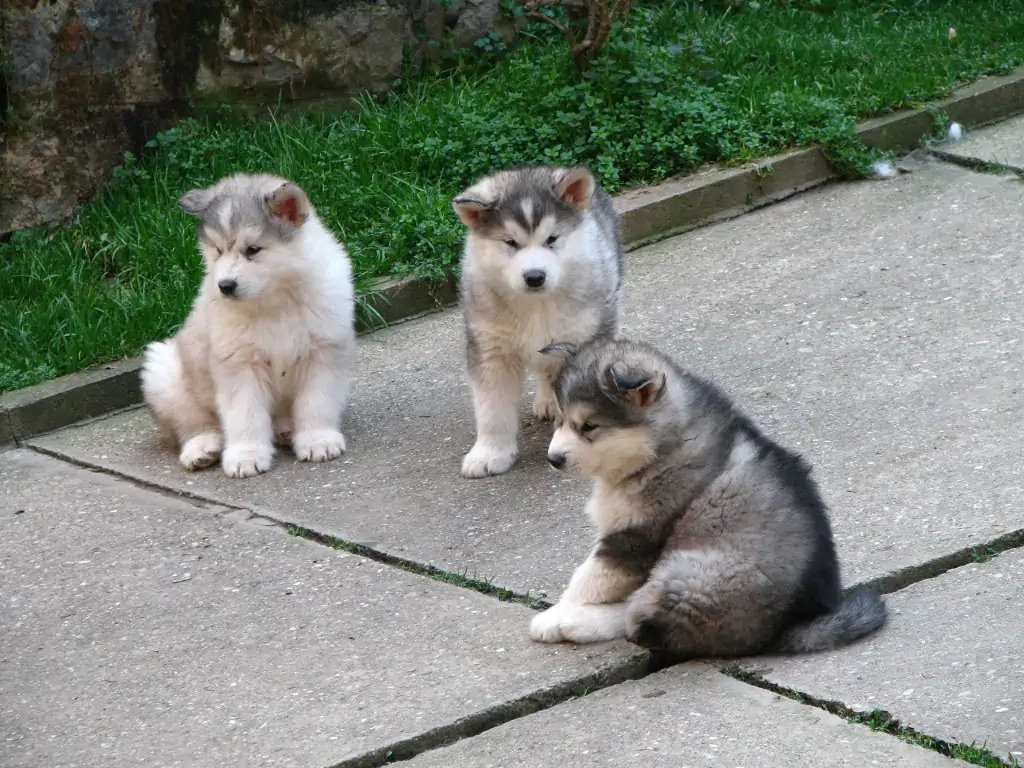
877, 720
634, 668
452, 578
976, 164
886, 584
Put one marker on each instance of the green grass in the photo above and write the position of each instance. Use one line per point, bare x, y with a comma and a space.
681, 85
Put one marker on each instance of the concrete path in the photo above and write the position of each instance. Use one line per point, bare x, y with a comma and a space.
857, 323
140, 629
951, 660
876, 327
686, 716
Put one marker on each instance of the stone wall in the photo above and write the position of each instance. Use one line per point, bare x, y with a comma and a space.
85, 80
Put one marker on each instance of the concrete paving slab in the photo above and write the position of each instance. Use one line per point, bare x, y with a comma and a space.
1001, 144
950, 663
138, 629
876, 327
683, 717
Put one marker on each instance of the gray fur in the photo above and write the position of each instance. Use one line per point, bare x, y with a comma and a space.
726, 549
859, 614
523, 222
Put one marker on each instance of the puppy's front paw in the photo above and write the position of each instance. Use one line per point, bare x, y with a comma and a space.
545, 406
201, 451
318, 445
546, 627
486, 460
247, 460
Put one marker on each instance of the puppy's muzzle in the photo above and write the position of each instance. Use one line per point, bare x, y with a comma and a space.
534, 279
556, 460
228, 286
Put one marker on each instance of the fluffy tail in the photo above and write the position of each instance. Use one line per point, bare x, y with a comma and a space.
163, 389
161, 374
860, 614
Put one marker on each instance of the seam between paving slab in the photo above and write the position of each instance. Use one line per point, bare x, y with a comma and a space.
885, 584
634, 668
930, 569
877, 720
451, 578
976, 164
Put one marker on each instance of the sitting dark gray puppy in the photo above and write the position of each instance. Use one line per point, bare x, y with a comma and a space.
712, 539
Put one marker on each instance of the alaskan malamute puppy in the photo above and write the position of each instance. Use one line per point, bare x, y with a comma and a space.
712, 539
542, 262
268, 348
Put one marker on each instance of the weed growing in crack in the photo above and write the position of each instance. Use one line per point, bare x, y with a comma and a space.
463, 580
984, 554
877, 720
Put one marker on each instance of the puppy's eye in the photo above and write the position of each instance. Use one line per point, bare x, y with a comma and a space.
551, 241
511, 243
587, 428
251, 251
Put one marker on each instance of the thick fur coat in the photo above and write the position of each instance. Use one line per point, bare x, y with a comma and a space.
266, 353
542, 262
713, 541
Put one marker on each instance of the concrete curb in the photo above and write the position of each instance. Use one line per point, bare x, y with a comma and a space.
648, 214
51, 405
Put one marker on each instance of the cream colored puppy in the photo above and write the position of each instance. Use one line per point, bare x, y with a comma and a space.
268, 348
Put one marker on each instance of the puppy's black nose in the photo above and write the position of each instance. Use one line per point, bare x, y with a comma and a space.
227, 287
534, 278
556, 460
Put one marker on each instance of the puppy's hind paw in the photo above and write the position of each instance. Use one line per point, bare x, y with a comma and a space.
318, 445
247, 460
201, 451
486, 460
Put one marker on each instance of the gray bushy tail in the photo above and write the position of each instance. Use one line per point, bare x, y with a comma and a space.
860, 614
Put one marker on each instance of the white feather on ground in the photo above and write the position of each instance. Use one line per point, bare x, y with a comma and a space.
955, 132
883, 170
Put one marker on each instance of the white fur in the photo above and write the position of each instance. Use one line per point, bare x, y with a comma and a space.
579, 623
276, 360
955, 132
592, 605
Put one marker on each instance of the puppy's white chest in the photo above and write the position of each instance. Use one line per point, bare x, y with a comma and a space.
551, 323
611, 510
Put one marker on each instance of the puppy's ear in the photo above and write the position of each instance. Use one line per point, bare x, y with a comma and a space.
638, 388
562, 349
195, 201
470, 208
288, 204
576, 188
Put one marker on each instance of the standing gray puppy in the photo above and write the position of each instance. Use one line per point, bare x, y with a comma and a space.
712, 539
542, 262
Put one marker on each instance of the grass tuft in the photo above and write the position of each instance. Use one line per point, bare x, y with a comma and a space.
681, 84
879, 720
463, 580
